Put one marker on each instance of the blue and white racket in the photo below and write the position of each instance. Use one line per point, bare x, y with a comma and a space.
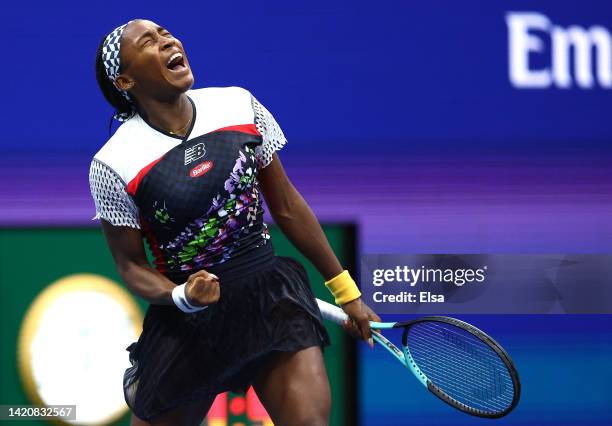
457, 362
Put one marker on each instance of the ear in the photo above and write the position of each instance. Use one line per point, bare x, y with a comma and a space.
123, 82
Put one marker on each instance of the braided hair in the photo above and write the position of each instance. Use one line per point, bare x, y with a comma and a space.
110, 92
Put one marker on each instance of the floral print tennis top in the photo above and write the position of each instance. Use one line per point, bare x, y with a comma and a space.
195, 198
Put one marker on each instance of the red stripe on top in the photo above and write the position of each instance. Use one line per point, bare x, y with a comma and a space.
133, 185
244, 128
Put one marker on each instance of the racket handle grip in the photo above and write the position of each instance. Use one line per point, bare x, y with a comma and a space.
332, 312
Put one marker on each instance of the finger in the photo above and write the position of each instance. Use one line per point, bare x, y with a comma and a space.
373, 317
205, 291
366, 333
204, 280
204, 274
351, 329
216, 294
355, 328
200, 273
199, 279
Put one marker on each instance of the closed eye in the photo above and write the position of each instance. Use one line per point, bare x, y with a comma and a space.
149, 38
146, 41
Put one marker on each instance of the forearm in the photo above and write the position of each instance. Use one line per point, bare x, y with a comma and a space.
300, 225
147, 283
141, 278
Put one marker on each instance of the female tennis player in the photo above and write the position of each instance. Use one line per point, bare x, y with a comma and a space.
187, 170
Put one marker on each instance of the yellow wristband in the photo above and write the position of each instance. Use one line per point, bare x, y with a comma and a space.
343, 287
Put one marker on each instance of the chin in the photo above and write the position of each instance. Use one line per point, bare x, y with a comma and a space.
183, 84
189, 83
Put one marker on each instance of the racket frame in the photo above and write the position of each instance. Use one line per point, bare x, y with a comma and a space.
490, 342
336, 314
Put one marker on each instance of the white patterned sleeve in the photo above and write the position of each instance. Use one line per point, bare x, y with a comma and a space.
112, 201
273, 137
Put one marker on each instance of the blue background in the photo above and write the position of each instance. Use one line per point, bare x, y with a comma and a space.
399, 70
401, 118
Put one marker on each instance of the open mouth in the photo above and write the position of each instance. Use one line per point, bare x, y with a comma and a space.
176, 62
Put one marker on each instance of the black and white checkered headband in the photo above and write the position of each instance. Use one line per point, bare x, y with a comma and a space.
111, 60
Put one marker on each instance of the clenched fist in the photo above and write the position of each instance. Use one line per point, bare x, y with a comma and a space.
202, 289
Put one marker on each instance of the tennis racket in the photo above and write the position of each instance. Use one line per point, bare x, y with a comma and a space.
457, 362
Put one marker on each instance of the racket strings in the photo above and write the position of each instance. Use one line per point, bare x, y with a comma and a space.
461, 365
473, 371
470, 393
490, 363
469, 386
474, 378
476, 348
485, 382
445, 330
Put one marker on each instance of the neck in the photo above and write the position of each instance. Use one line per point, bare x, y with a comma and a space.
168, 115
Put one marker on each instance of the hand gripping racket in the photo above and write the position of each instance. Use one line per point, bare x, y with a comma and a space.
457, 362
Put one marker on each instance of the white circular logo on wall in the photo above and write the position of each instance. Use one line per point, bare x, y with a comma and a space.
72, 345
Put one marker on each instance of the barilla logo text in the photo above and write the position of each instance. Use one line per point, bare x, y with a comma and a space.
201, 169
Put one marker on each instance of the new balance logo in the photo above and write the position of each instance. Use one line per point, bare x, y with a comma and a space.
195, 152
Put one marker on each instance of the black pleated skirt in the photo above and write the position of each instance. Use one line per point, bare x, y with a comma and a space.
266, 306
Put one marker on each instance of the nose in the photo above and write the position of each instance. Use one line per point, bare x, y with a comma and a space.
167, 42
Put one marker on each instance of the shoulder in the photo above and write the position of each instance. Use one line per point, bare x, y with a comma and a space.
116, 146
133, 146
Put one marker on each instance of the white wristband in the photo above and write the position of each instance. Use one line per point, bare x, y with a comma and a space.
180, 300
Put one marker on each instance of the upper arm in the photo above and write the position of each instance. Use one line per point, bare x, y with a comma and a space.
273, 181
125, 244
118, 214
276, 187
